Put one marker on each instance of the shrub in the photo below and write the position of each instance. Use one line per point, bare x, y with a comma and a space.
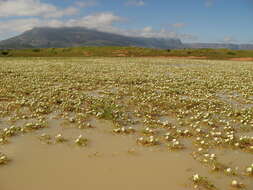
231, 53
5, 53
36, 50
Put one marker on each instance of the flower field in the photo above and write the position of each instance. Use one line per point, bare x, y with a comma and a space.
125, 123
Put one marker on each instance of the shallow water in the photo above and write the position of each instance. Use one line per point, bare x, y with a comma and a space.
108, 162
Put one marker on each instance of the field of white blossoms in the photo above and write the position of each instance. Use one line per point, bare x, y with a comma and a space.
125, 123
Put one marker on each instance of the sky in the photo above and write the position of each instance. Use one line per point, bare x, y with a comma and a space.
212, 21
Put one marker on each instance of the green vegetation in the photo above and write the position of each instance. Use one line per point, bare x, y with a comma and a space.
114, 51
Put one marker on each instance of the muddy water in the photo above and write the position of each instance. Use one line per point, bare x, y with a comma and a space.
57, 167
108, 162
235, 158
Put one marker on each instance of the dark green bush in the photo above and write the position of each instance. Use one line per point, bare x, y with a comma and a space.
36, 50
5, 53
231, 53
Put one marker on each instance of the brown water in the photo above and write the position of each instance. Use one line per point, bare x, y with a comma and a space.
108, 162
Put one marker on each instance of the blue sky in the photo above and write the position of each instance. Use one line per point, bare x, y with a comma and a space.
229, 21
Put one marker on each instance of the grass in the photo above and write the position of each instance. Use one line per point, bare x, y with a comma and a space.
126, 52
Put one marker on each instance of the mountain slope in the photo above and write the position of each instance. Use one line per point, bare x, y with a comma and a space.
77, 36
45, 37
218, 46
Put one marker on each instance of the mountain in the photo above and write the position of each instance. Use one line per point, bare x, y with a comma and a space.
218, 46
44, 37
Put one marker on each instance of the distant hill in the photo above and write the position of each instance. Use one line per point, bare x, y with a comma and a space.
218, 46
45, 37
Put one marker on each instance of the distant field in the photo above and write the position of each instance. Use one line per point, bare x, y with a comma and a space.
125, 123
129, 52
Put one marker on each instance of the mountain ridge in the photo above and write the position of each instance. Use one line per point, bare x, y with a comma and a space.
48, 37
45, 37
218, 46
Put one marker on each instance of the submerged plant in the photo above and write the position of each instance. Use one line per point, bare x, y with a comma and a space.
3, 159
175, 145
124, 130
203, 182
148, 141
81, 141
60, 139
237, 184
249, 170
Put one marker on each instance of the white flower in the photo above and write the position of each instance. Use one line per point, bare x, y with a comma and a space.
235, 183
229, 170
196, 177
249, 170
60, 138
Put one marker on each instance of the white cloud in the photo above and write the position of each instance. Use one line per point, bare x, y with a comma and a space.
103, 21
9, 8
229, 39
17, 26
150, 32
36, 13
147, 29
60, 13
83, 4
99, 20
137, 3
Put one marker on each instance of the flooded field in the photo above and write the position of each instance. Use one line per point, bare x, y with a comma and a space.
125, 123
